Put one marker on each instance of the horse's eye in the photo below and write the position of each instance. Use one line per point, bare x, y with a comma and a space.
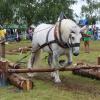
73, 38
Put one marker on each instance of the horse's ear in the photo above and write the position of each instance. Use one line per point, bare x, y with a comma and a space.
83, 28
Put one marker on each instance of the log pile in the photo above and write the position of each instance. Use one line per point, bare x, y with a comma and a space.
10, 71
19, 50
13, 78
20, 82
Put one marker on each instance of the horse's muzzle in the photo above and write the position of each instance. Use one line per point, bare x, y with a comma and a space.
75, 54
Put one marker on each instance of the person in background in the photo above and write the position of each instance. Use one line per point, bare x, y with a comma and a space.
2, 33
30, 31
87, 39
2, 42
95, 34
18, 32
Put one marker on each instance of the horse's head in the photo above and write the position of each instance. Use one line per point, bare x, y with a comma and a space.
74, 41
72, 35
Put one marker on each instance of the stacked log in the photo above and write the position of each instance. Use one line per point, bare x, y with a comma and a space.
20, 82
13, 78
19, 50
13, 65
95, 74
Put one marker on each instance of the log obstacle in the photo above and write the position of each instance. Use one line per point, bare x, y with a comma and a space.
71, 68
8, 72
91, 73
13, 78
95, 74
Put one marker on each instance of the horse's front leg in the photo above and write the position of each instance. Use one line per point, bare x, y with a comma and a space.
30, 64
69, 62
55, 64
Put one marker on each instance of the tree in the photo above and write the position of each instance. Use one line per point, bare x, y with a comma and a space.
49, 10
34, 11
5, 12
91, 10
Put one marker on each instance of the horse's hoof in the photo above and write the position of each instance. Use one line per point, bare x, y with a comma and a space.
69, 63
57, 81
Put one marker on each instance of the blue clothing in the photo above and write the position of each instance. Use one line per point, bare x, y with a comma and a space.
83, 22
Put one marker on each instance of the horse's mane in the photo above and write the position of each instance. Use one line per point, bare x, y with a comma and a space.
70, 24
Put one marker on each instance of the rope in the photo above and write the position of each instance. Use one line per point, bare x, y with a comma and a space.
19, 61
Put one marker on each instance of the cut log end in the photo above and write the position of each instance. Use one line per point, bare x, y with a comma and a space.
20, 82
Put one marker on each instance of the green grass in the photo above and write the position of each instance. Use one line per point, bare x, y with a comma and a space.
73, 87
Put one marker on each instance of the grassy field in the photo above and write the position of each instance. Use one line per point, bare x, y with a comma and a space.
73, 87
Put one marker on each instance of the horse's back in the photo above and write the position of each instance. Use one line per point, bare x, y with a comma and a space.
40, 33
42, 27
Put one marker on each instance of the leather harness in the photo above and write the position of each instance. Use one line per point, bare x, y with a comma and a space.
57, 40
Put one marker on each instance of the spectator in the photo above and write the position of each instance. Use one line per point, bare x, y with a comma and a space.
87, 39
2, 33
30, 31
18, 39
95, 34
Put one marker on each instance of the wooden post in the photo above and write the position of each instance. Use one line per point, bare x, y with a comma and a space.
13, 78
98, 59
4, 73
2, 48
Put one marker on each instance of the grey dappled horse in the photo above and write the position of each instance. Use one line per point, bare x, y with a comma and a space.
63, 38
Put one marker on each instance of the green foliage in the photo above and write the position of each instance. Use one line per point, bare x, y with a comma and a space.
91, 8
6, 12
34, 11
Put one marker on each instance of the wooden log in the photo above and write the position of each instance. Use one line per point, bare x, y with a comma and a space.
20, 82
13, 65
50, 70
21, 50
95, 74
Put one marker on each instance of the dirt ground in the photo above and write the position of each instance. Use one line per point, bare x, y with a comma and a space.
69, 85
